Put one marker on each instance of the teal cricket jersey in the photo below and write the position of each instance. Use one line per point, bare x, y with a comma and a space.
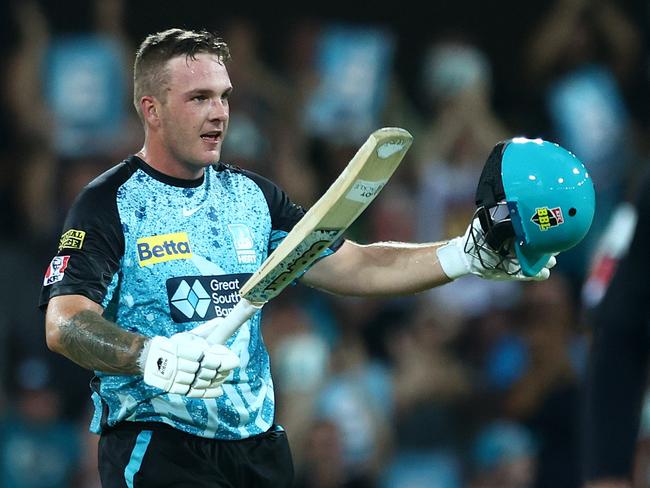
162, 255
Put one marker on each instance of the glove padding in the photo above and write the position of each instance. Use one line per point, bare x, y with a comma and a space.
470, 255
207, 329
217, 364
187, 365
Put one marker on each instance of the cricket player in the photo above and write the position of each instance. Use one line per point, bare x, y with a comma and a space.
161, 243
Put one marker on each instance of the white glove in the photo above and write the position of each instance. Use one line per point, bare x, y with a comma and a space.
220, 329
217, 364
460, 256
186, 364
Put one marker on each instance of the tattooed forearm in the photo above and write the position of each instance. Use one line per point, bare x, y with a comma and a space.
95, 343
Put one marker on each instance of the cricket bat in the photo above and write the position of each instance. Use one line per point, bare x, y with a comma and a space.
354, 189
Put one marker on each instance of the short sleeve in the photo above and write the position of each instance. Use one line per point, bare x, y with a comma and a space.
92, 242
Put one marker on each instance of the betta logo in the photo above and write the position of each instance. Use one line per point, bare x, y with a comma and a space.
545, 217
165, 247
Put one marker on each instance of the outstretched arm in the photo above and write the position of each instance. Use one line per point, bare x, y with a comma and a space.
386, 268
397, 268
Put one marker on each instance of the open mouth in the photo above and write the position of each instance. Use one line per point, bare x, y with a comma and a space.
212, 137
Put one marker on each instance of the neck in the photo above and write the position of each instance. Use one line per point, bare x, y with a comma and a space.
161, 160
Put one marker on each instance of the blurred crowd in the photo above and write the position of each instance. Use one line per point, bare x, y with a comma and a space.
475, 384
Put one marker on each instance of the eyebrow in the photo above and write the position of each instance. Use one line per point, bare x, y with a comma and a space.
207, 92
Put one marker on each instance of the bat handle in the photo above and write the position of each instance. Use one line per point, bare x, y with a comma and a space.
219, 329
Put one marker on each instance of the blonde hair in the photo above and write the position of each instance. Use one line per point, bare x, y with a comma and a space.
149, 70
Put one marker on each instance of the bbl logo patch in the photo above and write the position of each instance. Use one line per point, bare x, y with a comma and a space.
546, 217
72, 239
165, 247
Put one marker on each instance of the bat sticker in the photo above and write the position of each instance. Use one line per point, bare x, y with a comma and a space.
364, 191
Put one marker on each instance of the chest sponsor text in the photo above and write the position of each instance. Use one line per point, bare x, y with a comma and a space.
198, 298
162, 248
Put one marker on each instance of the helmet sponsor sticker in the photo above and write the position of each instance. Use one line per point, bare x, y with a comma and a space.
198, 298
163, 247
546, 217
56, 270
72, 239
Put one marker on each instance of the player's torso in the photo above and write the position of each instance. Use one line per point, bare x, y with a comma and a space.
187, 251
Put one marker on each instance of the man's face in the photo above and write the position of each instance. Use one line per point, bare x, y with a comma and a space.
195, 112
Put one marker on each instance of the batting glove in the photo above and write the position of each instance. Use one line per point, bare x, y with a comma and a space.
216, 366
470, 254
186, 364
219, 329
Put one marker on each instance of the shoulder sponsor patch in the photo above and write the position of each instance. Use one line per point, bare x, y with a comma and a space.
163, 247
56, 270
546, 217
72, 239
197, 298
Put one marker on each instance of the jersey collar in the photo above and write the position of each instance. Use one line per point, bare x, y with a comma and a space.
168, 180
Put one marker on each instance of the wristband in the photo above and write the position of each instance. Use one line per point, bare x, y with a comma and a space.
452, 259
142, 359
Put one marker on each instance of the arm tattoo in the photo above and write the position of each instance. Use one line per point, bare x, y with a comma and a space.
95, 343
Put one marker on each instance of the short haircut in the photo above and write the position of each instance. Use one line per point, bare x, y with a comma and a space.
149, 71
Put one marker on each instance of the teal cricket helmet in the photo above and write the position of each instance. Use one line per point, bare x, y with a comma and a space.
535, 196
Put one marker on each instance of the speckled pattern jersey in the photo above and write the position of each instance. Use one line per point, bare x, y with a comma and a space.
162, 255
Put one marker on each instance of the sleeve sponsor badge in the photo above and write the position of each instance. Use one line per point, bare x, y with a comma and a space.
56, 270
72, 239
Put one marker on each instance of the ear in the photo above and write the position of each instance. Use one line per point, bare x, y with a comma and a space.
150, 110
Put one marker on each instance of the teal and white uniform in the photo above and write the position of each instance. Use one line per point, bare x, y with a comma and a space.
162, 255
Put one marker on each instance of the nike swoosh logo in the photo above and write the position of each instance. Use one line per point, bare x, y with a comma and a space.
191, 211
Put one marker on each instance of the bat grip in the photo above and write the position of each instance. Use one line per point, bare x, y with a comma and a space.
219, 329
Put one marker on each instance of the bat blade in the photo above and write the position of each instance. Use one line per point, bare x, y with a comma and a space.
355, 188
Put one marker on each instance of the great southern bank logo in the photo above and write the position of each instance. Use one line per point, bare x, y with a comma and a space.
164, 247
190, 300
198, 298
